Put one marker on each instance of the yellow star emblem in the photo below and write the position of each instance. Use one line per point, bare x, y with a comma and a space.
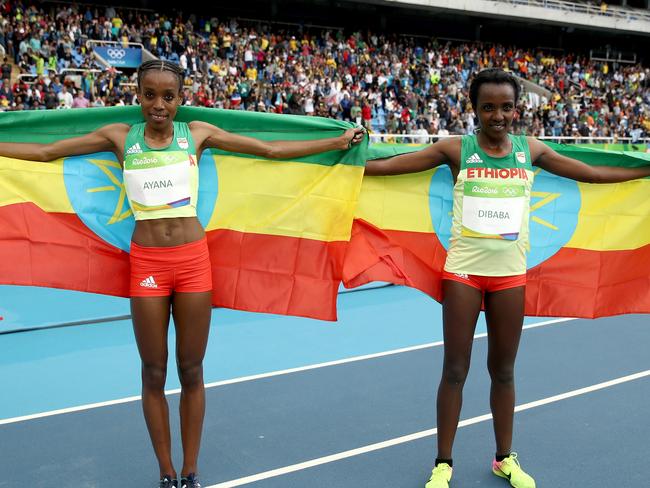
107, 167
546, 198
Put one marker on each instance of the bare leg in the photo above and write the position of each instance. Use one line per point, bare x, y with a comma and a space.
460, 308
192, 312
150, 324
505, 317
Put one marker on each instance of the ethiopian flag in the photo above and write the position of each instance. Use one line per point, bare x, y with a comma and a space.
277, 230
590, 244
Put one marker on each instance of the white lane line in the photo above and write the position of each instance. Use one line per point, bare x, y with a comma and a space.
419, 435
254, 377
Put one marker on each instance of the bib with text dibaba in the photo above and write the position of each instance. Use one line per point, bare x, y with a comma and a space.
493, 210
157, 180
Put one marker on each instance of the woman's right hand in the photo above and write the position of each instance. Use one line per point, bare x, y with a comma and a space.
353, 136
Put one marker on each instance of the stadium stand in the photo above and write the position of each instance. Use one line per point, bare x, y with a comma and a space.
387, 82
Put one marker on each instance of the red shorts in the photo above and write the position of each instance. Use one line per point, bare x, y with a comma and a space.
487, 283
159, 271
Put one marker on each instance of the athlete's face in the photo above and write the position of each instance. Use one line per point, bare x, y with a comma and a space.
496, 108
159, 97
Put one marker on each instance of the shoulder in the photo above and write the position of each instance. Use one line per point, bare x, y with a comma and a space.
450, 143
199, 125
200, 129
119, 128
114, 132
444, 151
451, 146
203, 131
536, 147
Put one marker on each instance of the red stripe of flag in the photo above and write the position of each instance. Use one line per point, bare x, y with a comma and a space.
276, 274
572, 283
57, 250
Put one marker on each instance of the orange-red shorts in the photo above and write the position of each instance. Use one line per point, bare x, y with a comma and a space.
487, 283
159, 271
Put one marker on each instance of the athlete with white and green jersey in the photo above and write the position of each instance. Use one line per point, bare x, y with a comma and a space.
486, 262
170, 265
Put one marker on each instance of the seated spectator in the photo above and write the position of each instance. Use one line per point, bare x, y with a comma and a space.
80, 100
65, 97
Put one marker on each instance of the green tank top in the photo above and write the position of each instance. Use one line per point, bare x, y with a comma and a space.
161, 183
491, 206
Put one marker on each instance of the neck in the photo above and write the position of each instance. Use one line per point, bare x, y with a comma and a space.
158, 134
493, 142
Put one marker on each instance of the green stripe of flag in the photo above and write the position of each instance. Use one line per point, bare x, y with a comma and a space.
601, 157
589, 155
52, 125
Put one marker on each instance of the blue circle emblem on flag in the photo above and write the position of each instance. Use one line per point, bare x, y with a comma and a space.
554, 204
96, 191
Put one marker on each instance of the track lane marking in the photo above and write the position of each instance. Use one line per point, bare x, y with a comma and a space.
243, 379
422, 434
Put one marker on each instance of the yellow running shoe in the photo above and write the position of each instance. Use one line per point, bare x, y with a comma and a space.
510, 469
440, 476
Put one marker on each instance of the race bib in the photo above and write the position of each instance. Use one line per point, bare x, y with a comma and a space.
493, 210
157, 180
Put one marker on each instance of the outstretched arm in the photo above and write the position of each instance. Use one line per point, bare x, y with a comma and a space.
546, 158
444, 151
208, 135
102, 139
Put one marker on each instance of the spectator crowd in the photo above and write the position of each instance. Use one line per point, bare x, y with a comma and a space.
388, 83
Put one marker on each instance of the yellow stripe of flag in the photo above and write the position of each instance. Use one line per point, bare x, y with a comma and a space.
39, 183
396, 202
286, 198
613, 217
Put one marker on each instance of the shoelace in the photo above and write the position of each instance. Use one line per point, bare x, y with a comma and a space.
512, 459
442, 472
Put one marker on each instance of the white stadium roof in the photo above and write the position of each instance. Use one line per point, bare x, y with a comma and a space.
559, 12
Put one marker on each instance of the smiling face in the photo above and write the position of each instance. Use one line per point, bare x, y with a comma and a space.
495, 108
159, 95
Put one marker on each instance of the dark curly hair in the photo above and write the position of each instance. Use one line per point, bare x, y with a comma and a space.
492, 75
161, 65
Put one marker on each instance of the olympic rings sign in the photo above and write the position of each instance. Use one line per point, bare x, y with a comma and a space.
115, 53
124, 57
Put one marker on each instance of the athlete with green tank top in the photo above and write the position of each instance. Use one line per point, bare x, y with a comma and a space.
486, 261
489, 235
161, 182
170, 264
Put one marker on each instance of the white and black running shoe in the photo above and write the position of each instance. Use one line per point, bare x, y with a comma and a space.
190, 481
168, 482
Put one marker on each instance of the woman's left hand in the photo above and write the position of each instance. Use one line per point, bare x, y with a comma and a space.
353, 136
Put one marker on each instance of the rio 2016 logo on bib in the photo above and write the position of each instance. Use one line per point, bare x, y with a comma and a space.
554, 206
96, 190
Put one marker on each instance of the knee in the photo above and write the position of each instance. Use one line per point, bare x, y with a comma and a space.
190, 374
154, 376
455, 372
502, 374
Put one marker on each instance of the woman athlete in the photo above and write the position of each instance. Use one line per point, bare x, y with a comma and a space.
493, 175
170, 265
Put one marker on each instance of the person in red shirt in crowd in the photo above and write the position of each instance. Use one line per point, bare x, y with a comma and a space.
366, 115
405, 115
19, 87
